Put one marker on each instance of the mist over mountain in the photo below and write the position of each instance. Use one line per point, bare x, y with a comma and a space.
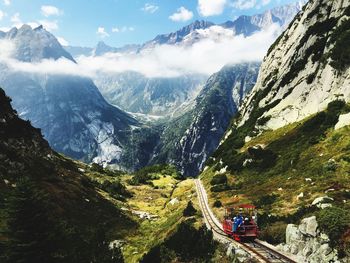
73, 115
78, 121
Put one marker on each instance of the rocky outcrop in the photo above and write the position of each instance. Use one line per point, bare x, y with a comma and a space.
191, 138
302, 72
308, 244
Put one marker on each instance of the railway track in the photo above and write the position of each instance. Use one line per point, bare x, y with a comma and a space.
256, 248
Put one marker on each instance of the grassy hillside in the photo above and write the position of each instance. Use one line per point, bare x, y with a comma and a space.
50, 211
156, 200
283, 171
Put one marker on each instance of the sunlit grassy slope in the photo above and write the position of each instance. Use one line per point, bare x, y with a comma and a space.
306, 159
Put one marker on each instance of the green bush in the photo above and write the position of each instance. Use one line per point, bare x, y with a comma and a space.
116, 188
217, 204
146, 174
340, 53
189, 210
220, 188
97, 168
219, 179
266, 200
274, 233
187, 244
334, 222
262, 158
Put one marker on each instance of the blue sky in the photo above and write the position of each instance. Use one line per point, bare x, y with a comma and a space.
120, 22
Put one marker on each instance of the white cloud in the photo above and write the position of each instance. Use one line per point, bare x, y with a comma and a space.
16, 19
205, 57
49, 10
123, 29
49, 25
101, 31
62, 41
244, 4
2, 15
5, 28
7, 2
211, 7
181, 15
265, 2
150, 8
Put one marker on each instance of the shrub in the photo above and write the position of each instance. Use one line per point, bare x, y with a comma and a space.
266, 200
146, 174
219, 179
340, 53
334, 221
117, 189
187, 244
274, 233
263, 120
220, 188
310, 79
97, 168
331, 166
189, 210
217, 203
314, 123
263, 158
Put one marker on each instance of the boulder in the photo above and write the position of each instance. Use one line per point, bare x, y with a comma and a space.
344, 120
116, 244
308, 226
292, 234
237, 253
323, 206
321, 200
174, 201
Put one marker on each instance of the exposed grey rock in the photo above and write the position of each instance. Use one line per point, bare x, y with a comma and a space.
237, 253
308, 245
308, 226
290, 94
322, 200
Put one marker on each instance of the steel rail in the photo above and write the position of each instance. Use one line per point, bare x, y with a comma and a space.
256, 248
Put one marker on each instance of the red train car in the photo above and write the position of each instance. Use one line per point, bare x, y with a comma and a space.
240, 222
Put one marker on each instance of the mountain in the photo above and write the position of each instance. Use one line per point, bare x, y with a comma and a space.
100, 49
133, 92
35, 45
77, 51
163, 96
304, 70
287, 150
178, 36
49, 208
246, 25
73, 115
188, 140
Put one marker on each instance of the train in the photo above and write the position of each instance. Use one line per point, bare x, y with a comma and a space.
241, 222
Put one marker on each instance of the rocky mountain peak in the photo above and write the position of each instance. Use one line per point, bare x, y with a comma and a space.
33, 45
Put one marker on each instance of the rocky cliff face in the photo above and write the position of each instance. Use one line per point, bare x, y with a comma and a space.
304, 70
308, 244
197, 133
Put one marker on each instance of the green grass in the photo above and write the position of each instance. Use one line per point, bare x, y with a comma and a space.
308, 149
